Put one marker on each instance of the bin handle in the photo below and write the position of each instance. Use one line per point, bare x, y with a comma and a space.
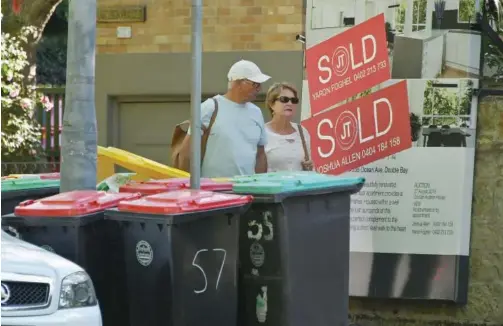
26, 202
196, 202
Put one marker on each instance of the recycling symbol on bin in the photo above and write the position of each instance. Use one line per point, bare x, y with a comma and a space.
257, 254
144, 253
256, 229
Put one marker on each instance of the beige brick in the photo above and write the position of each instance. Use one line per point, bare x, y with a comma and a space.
247, 37
162, 39
289, 28
228, 25
286, 10
223, 11
254, 11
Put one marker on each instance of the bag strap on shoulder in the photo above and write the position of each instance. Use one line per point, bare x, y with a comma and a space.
304, 145
206, 132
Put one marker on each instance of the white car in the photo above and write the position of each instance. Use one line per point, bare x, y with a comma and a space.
40, 288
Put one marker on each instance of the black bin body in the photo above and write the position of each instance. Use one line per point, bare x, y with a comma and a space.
87, 240
297, 258
10, 199
181, 269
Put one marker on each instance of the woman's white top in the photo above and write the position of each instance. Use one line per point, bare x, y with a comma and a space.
285, 152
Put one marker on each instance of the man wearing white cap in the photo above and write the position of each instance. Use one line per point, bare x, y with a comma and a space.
237, 138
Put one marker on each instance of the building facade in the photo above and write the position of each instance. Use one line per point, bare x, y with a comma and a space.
143, 83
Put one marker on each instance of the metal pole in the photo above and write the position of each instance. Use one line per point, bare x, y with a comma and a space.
195, 98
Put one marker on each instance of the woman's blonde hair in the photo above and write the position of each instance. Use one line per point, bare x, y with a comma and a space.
274, 91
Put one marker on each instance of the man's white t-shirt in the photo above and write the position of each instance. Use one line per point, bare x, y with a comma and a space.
285, 152
232, 145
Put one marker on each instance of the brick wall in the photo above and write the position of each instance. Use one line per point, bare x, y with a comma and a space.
228, 25
485, 296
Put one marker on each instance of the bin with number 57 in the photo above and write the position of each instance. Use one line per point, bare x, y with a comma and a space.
181, 256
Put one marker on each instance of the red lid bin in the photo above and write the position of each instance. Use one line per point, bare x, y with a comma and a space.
149, 187
183, 201
168, 236
206, 184
73, 225
54, 175
73, 203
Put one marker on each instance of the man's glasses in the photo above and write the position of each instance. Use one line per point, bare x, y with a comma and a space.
252, 83
286, 99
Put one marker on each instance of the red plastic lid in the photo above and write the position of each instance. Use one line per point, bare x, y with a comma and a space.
55, 175
212, 185
175, 183
206, 184
73, 203
148, 188
183, 201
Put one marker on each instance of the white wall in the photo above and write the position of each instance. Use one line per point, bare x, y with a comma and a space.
305, 108
451, 4
323, 18
463, 51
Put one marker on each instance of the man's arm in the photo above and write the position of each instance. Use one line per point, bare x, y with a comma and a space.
207, 108
261, 163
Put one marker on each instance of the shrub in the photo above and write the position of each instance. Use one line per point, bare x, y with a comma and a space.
21, 133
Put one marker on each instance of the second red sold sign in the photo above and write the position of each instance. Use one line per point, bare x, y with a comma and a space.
347, 64
361, 132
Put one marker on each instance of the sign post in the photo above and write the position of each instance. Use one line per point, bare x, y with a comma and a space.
195, 95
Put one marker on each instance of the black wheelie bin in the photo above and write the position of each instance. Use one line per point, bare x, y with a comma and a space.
72, 225
294, 249
181, 251
19, 189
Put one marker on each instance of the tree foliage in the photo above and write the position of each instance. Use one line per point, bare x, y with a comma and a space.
20, 131
451, 106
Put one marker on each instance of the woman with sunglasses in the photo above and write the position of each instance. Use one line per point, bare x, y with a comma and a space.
288, 144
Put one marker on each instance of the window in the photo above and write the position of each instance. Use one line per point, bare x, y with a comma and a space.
447, 103
466, 11
418, 16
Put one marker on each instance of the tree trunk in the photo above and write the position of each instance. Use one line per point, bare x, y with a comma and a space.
79, 136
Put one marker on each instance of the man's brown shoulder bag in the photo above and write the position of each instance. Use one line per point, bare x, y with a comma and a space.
179, 135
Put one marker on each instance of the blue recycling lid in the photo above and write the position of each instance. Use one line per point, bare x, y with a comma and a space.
287, 182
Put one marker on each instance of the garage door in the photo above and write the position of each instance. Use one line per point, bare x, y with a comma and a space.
146, 127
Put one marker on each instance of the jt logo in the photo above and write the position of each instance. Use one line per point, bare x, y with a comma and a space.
340, 61
346, 131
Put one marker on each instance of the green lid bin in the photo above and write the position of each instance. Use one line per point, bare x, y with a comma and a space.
15, 191
294, 249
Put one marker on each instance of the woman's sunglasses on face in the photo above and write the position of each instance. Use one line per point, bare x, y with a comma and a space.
286, 99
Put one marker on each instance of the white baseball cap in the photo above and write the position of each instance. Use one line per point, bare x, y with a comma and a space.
244, 69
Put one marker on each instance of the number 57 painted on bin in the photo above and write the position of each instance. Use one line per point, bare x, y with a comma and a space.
204, 273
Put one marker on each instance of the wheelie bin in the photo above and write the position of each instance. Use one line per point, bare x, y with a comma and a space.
18, 189
72, 225
151, 187
294, 249
181, 257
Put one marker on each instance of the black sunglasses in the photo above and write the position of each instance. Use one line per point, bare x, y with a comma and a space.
286, 99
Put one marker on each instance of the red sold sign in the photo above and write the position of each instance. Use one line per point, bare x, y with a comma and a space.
361, 132
347, 64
